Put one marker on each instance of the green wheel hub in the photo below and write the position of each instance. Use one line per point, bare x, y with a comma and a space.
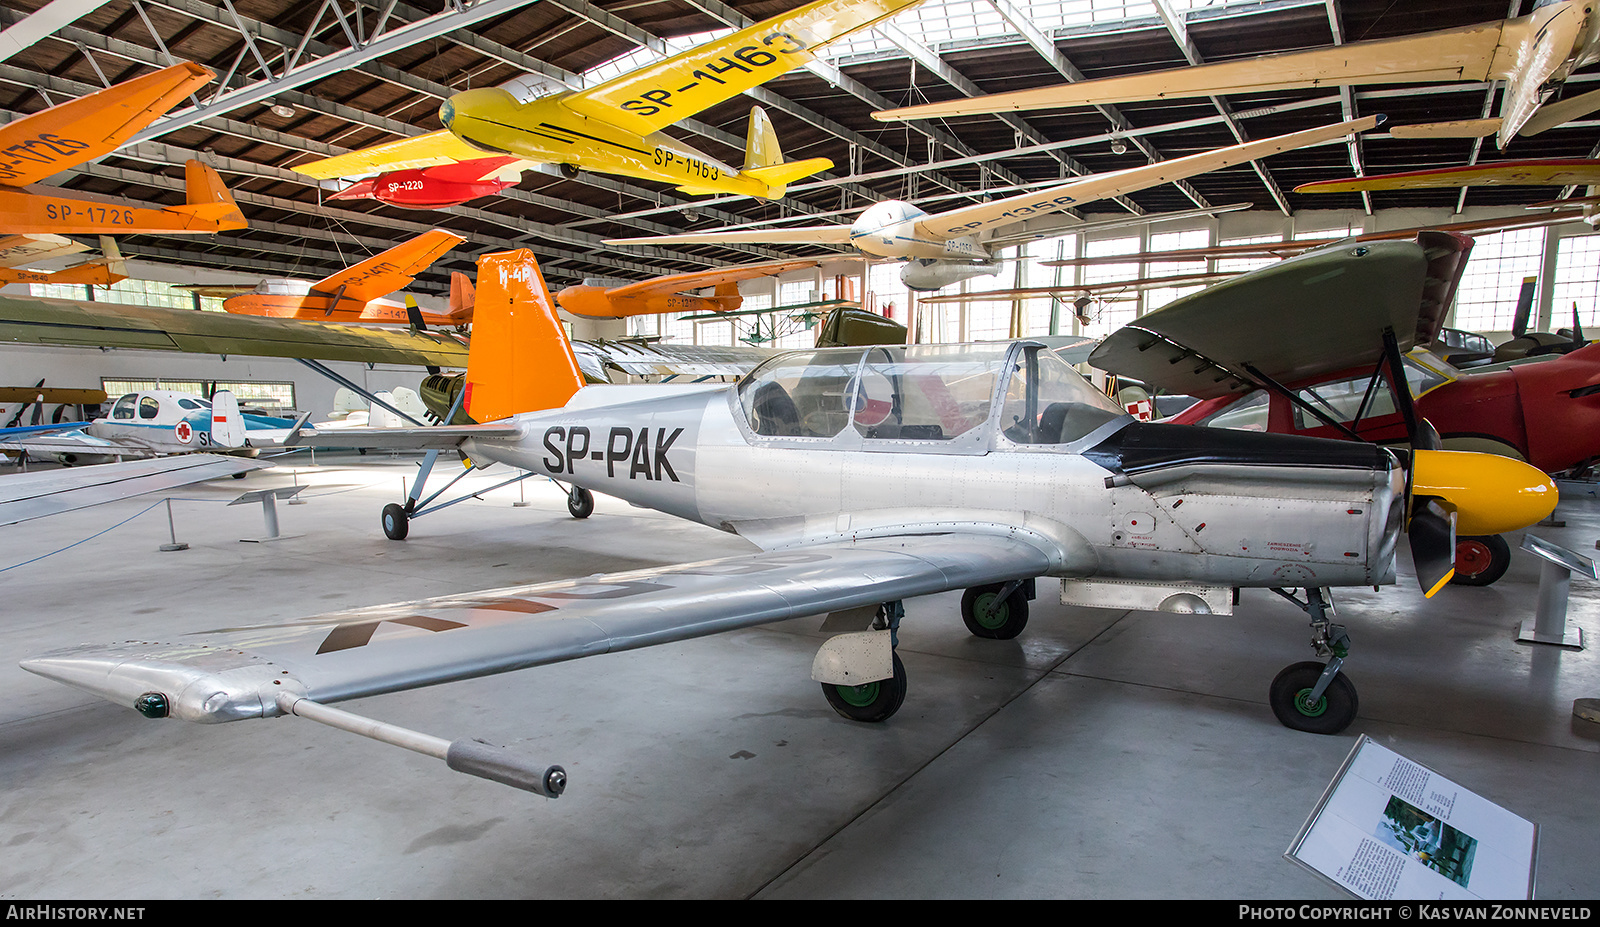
1308, 708
988, 615
859, 696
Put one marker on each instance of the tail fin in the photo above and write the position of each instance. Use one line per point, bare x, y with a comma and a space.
111, 257
208, 198
380, 417
462, 297
227, 425
520, 359
761, 148
763, 157
1524, 311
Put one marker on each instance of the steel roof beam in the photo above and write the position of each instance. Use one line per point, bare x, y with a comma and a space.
459, 14
1178, 29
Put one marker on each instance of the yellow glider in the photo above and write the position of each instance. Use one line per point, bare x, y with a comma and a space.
1533, 54
615, 127
48, 142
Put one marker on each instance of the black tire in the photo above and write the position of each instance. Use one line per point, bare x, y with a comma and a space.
239, 476
396, 523
1480, 559
873, 702
1332, 713
580, 502
1007, 619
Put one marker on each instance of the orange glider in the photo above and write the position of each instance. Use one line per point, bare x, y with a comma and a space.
353, 294
670, 294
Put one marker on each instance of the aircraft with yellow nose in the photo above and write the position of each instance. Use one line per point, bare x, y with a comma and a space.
616, 127
863, 477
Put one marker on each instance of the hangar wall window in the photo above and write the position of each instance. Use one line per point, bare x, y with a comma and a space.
1245, 264
1577, 280
1174, 241
1487, 298
272, 396
1111, 314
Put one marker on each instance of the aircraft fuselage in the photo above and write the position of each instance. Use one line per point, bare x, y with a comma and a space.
1261, 516
546, 131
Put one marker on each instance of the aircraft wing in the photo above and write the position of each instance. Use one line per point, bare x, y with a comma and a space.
74, 440
441, 437
35, 495
391, 270
18, 250
430, 150
1320, 312
657, 95
1069, 289
236, 672
1466, 53
678, 283
50, 141
979, 217
668, 360
92, 324
1554, 172
810, 234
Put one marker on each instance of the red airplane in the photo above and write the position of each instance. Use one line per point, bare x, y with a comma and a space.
437, 187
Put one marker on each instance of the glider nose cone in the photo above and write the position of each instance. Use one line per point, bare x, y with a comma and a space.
1491, 494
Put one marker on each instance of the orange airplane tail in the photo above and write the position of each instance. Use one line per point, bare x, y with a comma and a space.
462, 298
520, 359
209, 199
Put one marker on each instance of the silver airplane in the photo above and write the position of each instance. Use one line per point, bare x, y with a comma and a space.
865, 476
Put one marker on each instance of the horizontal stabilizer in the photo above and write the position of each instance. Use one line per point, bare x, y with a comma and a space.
779, 175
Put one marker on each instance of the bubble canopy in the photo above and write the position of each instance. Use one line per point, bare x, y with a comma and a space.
941, 398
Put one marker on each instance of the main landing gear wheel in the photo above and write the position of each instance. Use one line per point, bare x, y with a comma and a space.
986, 615
1481, 559
873, 702
1329, 714
580, 502
396, 523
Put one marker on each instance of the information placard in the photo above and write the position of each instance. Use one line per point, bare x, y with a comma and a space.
1388, 828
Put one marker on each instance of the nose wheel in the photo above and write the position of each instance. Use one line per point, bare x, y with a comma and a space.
1295, 702
1310, 696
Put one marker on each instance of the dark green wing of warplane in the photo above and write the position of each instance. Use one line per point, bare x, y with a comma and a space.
1323, 311
149, 328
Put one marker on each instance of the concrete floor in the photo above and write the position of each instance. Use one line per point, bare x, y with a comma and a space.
1103, 754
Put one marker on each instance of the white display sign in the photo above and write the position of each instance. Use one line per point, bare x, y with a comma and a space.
1388, 828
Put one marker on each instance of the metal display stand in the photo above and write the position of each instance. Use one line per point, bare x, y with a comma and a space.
1549, 624
269, 510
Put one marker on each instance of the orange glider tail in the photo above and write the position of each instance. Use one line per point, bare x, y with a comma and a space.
520, 359
462, 299
209, 202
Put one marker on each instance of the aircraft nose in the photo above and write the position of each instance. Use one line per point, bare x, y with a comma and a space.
447, 113
1491, 494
